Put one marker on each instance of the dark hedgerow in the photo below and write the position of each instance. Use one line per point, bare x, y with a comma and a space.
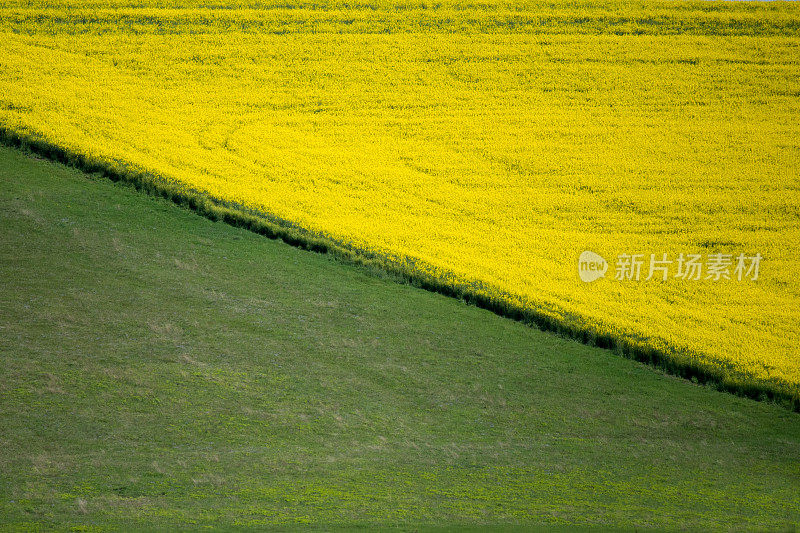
675, 362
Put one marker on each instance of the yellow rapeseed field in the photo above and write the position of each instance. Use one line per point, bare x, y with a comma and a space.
485, 143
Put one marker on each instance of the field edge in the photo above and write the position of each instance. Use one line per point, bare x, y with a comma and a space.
675, 362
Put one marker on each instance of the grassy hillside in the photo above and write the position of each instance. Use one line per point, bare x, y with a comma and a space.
161, 369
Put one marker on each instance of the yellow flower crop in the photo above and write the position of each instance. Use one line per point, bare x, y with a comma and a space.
486, 143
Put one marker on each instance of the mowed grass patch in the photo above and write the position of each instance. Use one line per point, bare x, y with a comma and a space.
160, 369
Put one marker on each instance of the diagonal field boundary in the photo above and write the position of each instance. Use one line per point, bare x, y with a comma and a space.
676, 362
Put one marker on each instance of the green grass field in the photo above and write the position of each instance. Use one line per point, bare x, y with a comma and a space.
163, 370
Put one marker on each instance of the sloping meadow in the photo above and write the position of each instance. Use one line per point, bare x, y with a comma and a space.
481, 146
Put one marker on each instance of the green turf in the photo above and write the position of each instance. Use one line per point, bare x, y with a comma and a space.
160, 369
